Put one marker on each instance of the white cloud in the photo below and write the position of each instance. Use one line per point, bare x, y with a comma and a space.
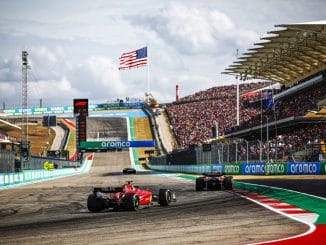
195, 30
48, 63
54, 80
53, 91
8, 90
106, 76
9, 70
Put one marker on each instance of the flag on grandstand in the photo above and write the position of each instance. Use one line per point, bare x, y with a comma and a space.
133, 59
269, 99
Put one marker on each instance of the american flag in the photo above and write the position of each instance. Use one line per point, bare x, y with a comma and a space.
133, 59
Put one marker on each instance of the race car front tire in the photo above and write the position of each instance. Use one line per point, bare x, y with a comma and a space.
200, 184
131, 202
95, 204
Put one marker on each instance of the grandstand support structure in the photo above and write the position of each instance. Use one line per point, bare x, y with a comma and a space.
25, 66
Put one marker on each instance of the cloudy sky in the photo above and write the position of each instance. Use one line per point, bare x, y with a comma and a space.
74, 46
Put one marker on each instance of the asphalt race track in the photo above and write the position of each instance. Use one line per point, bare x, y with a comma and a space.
313, 185
55, 212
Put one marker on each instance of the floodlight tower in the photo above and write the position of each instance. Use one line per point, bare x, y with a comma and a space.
25, 66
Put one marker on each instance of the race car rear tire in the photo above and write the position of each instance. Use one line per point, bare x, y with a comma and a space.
200, 184
164, 197
131, 202
95, 204
228, 183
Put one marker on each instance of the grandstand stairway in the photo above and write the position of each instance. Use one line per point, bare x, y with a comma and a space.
168, 138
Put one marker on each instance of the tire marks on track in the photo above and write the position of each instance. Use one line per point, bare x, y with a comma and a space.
55, 212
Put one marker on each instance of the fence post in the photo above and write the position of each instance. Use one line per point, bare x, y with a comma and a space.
247, 150
228, 155
260, 150
222, 153
236, 152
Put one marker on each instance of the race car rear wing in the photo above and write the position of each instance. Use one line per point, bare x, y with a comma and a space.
107, 189
213, 174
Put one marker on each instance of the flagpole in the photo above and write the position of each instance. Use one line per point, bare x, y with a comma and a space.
148, 81
238, 114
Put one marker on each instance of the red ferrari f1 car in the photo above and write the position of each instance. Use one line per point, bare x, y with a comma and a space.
214, 181
126, 197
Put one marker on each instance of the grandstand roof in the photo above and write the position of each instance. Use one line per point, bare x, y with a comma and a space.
286, 55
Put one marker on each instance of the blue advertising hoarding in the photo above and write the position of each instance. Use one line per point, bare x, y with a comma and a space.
294, 168
258, 168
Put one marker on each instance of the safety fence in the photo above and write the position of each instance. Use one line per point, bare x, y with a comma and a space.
39, 162
13, 179
239, 151
7, 161
258, 168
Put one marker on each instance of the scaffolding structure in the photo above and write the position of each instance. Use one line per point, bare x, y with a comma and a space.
25, 66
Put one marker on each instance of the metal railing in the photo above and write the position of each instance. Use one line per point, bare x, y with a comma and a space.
7, 161
38, 163
242, 151
10, 164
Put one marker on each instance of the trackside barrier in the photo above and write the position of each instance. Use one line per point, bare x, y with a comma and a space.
191, 169
38, 163
259, 168
8, 180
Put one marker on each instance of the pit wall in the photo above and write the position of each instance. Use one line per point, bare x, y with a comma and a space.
259, 168
10, 180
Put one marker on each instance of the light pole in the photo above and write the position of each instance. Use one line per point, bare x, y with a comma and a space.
228, 153
236, 152
260, 150
247, 150
267, 138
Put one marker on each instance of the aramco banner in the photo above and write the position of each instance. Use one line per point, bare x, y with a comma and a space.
303, 168
116, 144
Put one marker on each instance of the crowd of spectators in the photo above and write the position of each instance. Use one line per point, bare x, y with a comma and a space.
223, 92
295, 105
194, 116
282, 146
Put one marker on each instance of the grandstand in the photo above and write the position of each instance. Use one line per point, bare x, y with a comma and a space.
193, 116
7, 146
284, 124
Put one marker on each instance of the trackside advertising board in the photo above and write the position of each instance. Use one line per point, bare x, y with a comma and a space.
234, 169
258, 168
253, 168
264, 169
70, 109
217, 167
116, 144
323, 168
294, 168
289, 168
